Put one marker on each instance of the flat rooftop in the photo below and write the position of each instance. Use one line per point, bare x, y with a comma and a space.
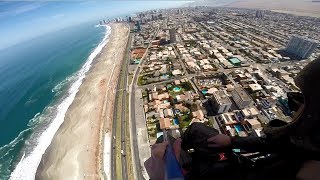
242, 93
221, 97
234, 60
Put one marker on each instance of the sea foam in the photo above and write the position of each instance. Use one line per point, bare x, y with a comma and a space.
27, 167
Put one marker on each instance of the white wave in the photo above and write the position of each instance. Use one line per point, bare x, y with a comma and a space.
101, 25
57, 87
34, 119
8, 147
26, 169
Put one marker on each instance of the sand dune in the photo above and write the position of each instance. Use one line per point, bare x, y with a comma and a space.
298, 7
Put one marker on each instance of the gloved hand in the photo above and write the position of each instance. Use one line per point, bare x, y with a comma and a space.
219, 140
159, 149
155, 164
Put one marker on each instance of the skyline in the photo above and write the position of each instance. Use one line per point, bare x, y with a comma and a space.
22, 21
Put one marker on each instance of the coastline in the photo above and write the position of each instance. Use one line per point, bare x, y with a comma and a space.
76, 149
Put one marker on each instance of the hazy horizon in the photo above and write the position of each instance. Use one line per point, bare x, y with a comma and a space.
24, 20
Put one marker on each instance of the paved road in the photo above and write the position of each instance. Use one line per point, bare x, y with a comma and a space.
123, 127
113, 139
121, 87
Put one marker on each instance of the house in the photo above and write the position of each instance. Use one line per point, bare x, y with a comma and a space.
212, 90
231, 131
181, 107
154, 95
177, 82
176, 72
168, 112
255, 87
161, 114
164, 105
181, 98
254, 123
230, 87
152, 114
165, 123
196, 120
145, 107
249, 112
198, 114
156, 73
156, 103
163, 96
227, 118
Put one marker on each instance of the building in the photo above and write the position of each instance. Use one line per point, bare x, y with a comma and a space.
241, 98
235, 61
165, 123
221, 102
255, 87
249, 112
259, 14
172, 33
198, 114
254, 123
301, 47
138, 26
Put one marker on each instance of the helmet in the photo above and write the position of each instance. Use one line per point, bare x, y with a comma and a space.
304, 129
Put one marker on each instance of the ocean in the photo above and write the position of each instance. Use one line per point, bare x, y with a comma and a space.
38, 81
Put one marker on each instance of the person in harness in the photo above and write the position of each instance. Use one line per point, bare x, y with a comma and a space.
288, 151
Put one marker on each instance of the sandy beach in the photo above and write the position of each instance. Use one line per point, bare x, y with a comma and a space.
76, 149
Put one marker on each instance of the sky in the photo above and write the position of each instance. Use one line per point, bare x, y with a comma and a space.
20, 21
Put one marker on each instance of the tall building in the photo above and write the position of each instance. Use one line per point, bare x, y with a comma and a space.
221, 102
138, 25
259, 14
153, 17
172, 33
241, 98
301, 47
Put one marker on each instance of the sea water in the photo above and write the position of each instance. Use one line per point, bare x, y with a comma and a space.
39, 79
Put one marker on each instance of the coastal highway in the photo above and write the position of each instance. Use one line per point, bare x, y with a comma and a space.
119, 151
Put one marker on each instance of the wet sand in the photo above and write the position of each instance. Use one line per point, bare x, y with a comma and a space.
76, 149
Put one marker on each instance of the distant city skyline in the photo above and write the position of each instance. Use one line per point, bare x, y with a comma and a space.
20, 21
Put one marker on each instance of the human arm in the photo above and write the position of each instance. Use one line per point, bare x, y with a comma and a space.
249, 144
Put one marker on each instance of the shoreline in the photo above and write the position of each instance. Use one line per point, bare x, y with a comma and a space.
27, 167
76, 149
